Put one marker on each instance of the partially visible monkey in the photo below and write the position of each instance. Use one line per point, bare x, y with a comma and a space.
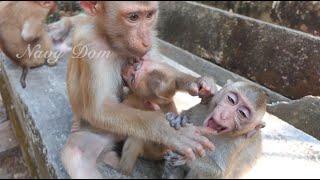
124, 30
22, 34
152, 87
235, 114
61, 31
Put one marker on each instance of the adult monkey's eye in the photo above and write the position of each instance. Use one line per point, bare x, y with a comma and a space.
134, 17
150, 14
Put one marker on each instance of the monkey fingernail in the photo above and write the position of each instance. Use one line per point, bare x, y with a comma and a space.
202, 154
172, 123
211, 147
184, 121
192, 157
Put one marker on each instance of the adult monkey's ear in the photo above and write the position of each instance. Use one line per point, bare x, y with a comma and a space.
46, 4
89, 7
252, 132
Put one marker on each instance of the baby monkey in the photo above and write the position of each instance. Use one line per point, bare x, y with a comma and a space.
152, 86
235, 114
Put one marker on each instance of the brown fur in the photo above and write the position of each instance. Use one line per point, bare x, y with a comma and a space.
156, 86
61, 31
235, 152
95, 89
23, 25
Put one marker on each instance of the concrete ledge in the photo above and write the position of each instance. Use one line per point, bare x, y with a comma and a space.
41, 116
203, 67
303, 114
7, 138
281, 59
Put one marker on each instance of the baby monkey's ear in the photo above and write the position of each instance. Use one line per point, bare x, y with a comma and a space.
252, 132
229, 81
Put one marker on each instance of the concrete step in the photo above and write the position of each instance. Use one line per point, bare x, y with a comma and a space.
276, 57
7, 138
41, 116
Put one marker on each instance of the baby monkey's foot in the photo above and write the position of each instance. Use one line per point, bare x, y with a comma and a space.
174, 159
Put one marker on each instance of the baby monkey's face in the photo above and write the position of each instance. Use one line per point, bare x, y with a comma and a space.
132, 75
149, 80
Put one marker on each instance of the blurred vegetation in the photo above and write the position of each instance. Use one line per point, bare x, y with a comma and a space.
66, 8
300, 15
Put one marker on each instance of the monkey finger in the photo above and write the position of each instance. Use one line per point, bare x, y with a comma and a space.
196, 145
199, 150
204, 142
186, 147
203, 131
177, 122
174, 159
170, 116
184, 120
168, 155
204, 86
205, 93
189, 154
193, 89
172, 123
177, 126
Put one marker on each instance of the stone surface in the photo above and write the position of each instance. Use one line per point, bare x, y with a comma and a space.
286, 153
42, 117
3, 113
304, 114
282, 59
12, 166
299, 15
7, 139
204, 67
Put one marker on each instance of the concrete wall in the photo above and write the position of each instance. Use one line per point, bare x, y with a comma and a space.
281, 59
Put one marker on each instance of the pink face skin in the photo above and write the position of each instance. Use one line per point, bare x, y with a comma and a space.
230, 113
140, 21
131, 74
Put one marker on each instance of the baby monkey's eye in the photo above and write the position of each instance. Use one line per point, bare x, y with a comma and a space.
232, 98
244, 112
132, 78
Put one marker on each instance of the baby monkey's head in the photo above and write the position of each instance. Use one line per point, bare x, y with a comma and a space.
151, 81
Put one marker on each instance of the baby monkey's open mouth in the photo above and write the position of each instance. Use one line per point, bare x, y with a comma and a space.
213, 124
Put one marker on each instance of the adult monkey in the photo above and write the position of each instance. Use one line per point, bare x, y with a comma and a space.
235, 113
95, 89
23, 38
